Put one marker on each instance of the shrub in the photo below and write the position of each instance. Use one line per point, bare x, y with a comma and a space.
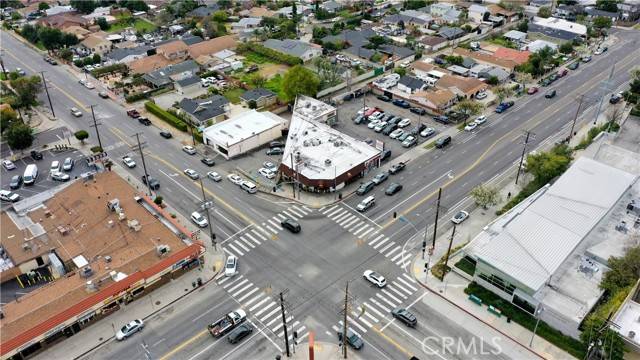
81, 135
136, 97
109, 69
636, 111
165, 116
158, 200
96, 149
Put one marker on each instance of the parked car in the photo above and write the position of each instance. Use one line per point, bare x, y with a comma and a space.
386, 154
615, 98
231, 266
267, 173
562, 72
393, 188
348, 97
133, 113
199, 220
365, 188
550, 94
359, 119
103, 94
405, 316
470, 126
15, 183
276, 144
275, 151
154, 184
574, 65
396, 133
208, 161
373, 123
60, 176
36, 155
128, 162
8, 164
404, 123
380, 178
443, 141
480, 120
384, 98
214, 176
481, 95
166, 134
503, 106
428, 132
144, 121
6, 195
291, 225
375, 278
401, 103
417, 110
381, 125
410, 141
396, 168
532, 90
68, 164
353, 339
460, 217
441, 119
586, 59
129, 329
192, 174
189, 149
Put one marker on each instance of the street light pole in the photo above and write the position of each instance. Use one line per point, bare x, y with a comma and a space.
144, 165
535, 328
46, 89
206, 205
95, 125
524, 150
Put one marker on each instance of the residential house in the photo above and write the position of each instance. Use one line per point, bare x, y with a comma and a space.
516, 36
263, 97
63, 20
410, 84
538, 45
147, 64
331, 6
296, 48
468, 63
427, 72
101, 12
210, 47
483, 58
174, 51
494, 71
205, 112
463, 87
410, 18
188, 84
191, 39
508, 15
478, 13
127, 55
518, 57
438, 100
433, 43
288, 11
458, 70
478, 69
440, 9
96, 45
204, 11
59, 9
80, 32
592, 12
257, 11
167, 75
244, 24
451, 33
629, 10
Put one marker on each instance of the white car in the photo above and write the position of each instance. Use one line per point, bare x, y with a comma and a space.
470, 126
235, 178
55, 166
6, 195
269, 174
198, 219
269, 165
409, 141
363, 110
68, 163
481, 95
373, 123
396, 133
189, 149
8, 164
380, 126
231, 267
214, 176
480, 120
460, 217
129, 329
75, 112
87, 84
60, 176
192, 174
598, 51
128, 161
375, 278
404, 123
428, 132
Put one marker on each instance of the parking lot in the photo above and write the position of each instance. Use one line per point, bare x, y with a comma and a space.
44, 181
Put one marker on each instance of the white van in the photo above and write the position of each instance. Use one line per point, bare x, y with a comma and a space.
366, 203
30, 174
249, 187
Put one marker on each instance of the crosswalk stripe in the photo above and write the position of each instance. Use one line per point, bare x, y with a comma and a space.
340, 211
240, 291
349, 217
328, 209
385, 300
397, 256
381, 242
290, 215
245, 241
247, 294
405, 262
335, 328
299, 330
376, 239
309, 210
275, 224
244, 281
235, 249
380, 305
332, 211
353, 322
227, 251
355, 221
407, 284
392, 251
398, 285
258, 304
258, 234
289, 328
386, 292
341, 216
235, 280
237, 242
270, 229
397, 292
253, 299
264, 308
360, 229
281, 324
302, 210
270, 315
303, 336
282, 217
382, 250
409, 278
402, 260
362, 320
369, 307
297, 213
223, 280
351, 328
253, 239
366, 232
373, 318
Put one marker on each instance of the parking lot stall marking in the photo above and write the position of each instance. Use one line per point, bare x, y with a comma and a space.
258, 304
269, 305
236, 250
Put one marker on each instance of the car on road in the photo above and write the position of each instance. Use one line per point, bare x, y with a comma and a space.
393, 188
428, 132
208, 161
75, 112
36, 155
154, 184
166, 134
404, 123
401, 103
199, 220
189, 149
384, 98
267, 173
55, 166
375, 278
409, 141
380, 178
601, 50
353, 339
481, 95
133, 113
60, 176
562, 72
21, 72
386, 154
396, 133
275, 151
144, 121
405, 316
460, 217
443, 141
396, 168
615, 98
191, 174
586, 59
234, 178
441, 119
128, 161
545, 82
214, 176
6, 195
291, 225
87, 84
8, 164
103, 94
348, 97
550, 94
239, 333
130, 329
480, 120
417, 110
503, 106
365, 188
15, 183
470, 126
68, 164
532, 90
231, 266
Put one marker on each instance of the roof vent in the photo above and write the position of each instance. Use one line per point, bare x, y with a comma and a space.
113, 204
162, 250
134, 224
327, 162
91, 287
86, 272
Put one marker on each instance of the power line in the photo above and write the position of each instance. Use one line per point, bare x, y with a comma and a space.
46, 89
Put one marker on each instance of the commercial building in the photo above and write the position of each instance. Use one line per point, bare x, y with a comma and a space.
242, 133
627, 320
314, 110
105, 245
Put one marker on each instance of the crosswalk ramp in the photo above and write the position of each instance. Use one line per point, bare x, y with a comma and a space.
262, 307
295, 212
378, 307
368, 232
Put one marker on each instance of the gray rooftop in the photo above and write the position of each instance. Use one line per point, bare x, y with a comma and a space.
191, 39
412, 82
205, 109
161, 77
119, 54
450, 32
204, 10
255, 94
554, 33
188, 81
288, 46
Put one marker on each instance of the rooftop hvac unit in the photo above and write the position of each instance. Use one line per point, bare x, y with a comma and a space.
113, 204
86, 272
91, 287
26, 246
134, 224
162, 249
327, 162
632, 334
107, 259
121, 215
63, 230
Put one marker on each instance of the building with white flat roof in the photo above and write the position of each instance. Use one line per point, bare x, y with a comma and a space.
562, 25
244, 132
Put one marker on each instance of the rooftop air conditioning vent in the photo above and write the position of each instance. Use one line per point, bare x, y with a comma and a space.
86, 272
162, 249
327, 162
113, 204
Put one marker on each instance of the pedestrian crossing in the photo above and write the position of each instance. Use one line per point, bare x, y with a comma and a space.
262, 307
258, 234
369, 232
378, 308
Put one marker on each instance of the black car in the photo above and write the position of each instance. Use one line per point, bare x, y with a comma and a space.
389, 128
240, 333
275, 151
396, 168
291, 225
348, 97
401, 103
615, 98
36, 155
276, 144
550, 94
16, 181
144, 121
166, 134
417, 110
153, 183
208, 161
384, 98
393, 188
358, 93
385, 154
441, 119
365, 187
443, 141
405, 316
353, 339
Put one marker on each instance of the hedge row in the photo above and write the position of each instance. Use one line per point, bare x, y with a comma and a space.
271, 54
145, 95
165, 116
109, 69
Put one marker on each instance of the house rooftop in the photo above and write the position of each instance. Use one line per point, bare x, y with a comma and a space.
291, 47
204, 109
162, 76
255, 94
242, 127
561, 24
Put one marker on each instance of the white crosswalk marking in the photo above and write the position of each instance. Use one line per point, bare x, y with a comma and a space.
342, 216
253, 299
360, 229
382, 250
392, 251
235, 280
386, 292
269, 305
289, 214
366, 232
281, 324
246, 249
236, 293
269, 315
240, 299
407, 284
235, 286
303, 336
306, 208
376, 239
296, 213
398, 256
290, 328
372, 308
348, 218
335, 214
362, 320
371, 317
381, 242
253, 239
302, 210
399, 286
353, 322
397, 292
335, 328
409, 278
352, 329
235, 249
333, 211
276, 224
270, 229
402, 259
223, 280
385, 300
259, 304
258, 234
227, 251
377, 303
353, 222
243, 240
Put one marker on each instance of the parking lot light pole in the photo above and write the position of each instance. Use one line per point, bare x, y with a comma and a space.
538, 312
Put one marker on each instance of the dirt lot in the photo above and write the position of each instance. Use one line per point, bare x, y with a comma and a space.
269, 70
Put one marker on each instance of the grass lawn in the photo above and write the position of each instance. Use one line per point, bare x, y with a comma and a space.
233, 95
256, 58
275, 84
40, 45
140, 25
144, 26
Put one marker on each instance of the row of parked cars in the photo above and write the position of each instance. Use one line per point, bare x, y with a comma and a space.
393, 126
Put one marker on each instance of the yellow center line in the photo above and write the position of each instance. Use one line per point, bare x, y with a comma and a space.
392, 342
183, 344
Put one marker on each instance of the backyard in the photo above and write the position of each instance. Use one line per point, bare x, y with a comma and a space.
233, 95
140, 25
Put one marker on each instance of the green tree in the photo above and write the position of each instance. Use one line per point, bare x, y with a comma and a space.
503, 92
7, 118
485, 196
523, 26
96, 58
19, 136
225, 4
197, 32
493, 80
547, 165
328, 72
81, 135
51, 38
454, 59
400, 71
414, 4
469, 107
220, 16
65, 54
300, 80
320, 32
26, 89
607, 5
624, 271
544, 12
69, 39
43, 6
376, 41
84, 6
134, 5
602, 22
566, 48
257, 80
102, 22
30, 33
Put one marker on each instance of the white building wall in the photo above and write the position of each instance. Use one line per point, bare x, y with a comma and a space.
247, 144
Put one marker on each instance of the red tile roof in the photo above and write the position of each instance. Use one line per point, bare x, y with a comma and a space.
519, 57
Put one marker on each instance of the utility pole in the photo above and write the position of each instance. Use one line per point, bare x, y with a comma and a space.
435, 225
144, 165
524, 150
95, 125
46, 89
284, 321
4, 70
575, 118
193, 137
344, 321
606, 87
206, 205
446, 259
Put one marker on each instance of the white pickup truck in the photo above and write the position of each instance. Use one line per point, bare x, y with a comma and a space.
227, 323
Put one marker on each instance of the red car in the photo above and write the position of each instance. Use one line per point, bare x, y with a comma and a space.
562, 72
532, 90
133, 113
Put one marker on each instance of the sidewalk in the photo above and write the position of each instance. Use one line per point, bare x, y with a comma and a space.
322, 351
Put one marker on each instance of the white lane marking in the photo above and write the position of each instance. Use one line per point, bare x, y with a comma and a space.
380, 305
254, 299
290, 215
237, 242
400, 254
235, 280
264, 308
235, 293
399, 286
408, 278
392, 251
258, 234
372, 308
365, 233
259, 304
276, 224
376, 239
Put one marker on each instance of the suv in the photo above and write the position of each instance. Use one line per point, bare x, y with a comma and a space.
401, 103
550, 94
443, 141
153, 183
133, 113
396, 168
504, 106
417, 110
291, 225
441, 119
144, 121
36, 155
365, 187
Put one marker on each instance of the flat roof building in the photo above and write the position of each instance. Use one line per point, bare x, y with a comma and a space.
311, 109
